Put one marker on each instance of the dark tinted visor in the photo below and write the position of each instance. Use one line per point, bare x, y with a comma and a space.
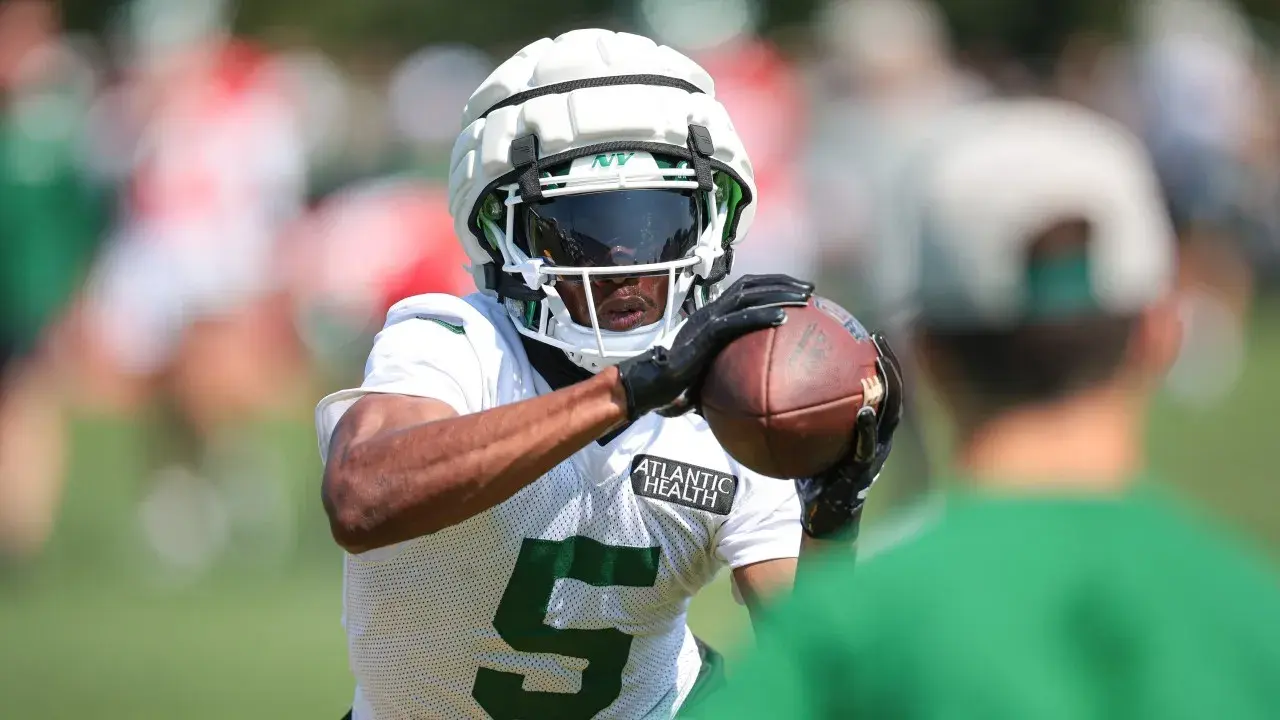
611, 229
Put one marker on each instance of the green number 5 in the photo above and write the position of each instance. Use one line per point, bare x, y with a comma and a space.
521, 621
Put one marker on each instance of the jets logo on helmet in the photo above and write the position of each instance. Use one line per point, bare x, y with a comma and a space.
592, 156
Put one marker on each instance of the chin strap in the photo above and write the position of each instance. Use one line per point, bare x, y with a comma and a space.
508, 286
720, 268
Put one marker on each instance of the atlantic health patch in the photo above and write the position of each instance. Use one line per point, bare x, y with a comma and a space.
683, 484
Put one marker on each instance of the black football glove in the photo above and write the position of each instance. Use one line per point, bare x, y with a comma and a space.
668, 381
832, 500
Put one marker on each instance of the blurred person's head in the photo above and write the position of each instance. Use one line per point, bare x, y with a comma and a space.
1039, 271
156, 28
164, 43
696, 26
424, 93
26, 26
885, 48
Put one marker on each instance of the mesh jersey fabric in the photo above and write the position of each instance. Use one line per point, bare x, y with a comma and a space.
570, 598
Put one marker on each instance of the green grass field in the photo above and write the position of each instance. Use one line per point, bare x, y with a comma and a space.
86, 635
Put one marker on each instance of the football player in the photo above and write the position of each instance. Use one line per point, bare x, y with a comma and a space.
526, 502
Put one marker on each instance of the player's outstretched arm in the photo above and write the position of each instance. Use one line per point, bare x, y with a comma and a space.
401, 467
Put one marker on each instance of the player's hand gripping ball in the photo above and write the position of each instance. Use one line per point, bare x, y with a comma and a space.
669, 381
782, 400
816, 399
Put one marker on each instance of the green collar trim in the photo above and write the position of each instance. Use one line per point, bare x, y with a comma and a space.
455, 329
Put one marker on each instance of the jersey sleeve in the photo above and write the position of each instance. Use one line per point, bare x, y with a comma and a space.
422, 351
763, 525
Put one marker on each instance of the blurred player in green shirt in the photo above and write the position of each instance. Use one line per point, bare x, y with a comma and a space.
52, 216
1051, 578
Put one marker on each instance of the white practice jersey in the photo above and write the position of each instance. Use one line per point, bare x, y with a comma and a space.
569, 599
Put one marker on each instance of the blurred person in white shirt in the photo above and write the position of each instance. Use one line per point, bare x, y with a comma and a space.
764, 91
186, 304
887, 75
1204, 110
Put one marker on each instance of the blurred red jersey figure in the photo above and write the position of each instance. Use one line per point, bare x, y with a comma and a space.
219, 147
218, 170
186, 300
432, 261
763, 92
365, 248
754, 77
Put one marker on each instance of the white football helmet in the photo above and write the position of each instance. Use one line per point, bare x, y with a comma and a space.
598, 154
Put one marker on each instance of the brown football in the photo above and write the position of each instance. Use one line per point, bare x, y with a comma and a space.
782, 401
